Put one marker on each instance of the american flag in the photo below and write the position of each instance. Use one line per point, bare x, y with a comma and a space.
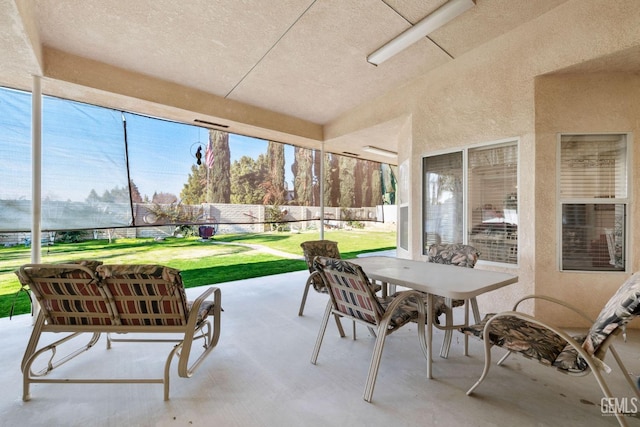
208, 155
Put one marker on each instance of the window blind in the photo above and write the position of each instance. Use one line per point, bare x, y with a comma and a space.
593, 166
493, 202
443, 199
593, 198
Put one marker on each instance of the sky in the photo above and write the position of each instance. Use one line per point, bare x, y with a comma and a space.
84, 149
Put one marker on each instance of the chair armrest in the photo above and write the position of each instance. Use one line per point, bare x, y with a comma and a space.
555, 301
402, 298
195, 307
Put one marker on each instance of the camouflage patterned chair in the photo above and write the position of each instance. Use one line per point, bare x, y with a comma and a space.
312, 249
536, 339
462, 256
325, 248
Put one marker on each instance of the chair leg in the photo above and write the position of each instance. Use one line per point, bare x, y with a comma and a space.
503, 358
487, 365
32, 346
448, 333
474, 308
607, 393
339, 325
391, 289
375, 364
624, 370
323, 328
304, 297
446, 343
467, 303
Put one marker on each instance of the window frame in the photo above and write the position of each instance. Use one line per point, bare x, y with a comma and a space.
465, 193
624, 201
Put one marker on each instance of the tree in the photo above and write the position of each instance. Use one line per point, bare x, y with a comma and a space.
362, 177
194, 190
136, 197
332, 180
247, 175
347, 181
388, 183
115, 195
302, 176
317, 161
369, 193
219, 178
164, 198
93, 197
274, 186
376, 185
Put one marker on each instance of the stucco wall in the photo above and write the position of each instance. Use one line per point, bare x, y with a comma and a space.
582, 103
489, 95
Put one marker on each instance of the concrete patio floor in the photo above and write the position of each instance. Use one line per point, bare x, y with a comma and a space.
260, 375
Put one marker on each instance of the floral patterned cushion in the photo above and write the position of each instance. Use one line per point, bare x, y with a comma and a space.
403, 314
623, 306
455, 254
439, 306
569, 360
537, 342
206, 309
518, 335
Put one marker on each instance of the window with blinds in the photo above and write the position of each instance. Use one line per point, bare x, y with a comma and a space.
489, 200
493, 202
593, 180
443, 199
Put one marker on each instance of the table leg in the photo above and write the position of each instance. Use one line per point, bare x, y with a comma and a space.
429, 333
467, 303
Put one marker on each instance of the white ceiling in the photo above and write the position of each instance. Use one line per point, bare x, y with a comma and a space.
304, 59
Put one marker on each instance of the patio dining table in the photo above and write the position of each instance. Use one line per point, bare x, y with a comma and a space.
434, 279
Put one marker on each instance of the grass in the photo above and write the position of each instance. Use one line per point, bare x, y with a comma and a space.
201, 263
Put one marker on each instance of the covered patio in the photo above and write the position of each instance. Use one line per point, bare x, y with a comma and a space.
519, 77
260, 375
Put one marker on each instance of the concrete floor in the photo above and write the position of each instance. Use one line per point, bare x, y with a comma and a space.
260, 375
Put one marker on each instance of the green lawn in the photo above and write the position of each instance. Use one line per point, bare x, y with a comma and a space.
201, 263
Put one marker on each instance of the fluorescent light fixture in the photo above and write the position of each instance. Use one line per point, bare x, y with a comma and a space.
435, 20
379, 151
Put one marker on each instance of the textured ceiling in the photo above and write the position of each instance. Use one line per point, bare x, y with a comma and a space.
304, 59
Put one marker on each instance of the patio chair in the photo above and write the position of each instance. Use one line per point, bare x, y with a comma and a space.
326, 248
463, 256
352, 297
580, 355
310, 250
92, 299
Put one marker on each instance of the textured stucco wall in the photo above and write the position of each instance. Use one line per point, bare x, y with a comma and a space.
581, 103
490, 95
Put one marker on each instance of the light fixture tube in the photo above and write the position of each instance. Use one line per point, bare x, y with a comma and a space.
431, 22
379, 151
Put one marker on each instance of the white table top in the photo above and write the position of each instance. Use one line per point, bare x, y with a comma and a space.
438, 279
